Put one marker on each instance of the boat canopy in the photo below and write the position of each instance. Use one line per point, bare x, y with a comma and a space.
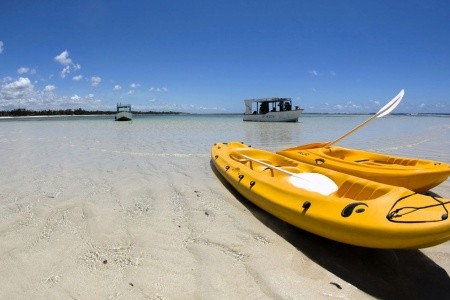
262, 105
123, 107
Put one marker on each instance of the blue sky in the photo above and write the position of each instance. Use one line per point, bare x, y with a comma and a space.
208, 56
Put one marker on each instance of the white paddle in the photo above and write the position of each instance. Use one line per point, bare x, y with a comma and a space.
313, 182
385, 110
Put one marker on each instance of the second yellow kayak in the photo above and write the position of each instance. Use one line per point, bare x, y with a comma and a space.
418, 175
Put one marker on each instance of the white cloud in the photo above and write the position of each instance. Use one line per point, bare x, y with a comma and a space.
75, 98
134, 85
7, 79
314, 73
49, 88
130, 92
159, 89
77, 78
156, 105
117, 87
18, 89
1, 47
210, 109
63, 58
95, 80
65, 71
22, 93
66, 61
23, 70
86, 102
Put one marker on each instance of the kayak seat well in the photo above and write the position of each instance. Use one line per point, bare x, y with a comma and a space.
255, 166
375, 160
402, 161
360, 191
390, 161
249, 163
341, 154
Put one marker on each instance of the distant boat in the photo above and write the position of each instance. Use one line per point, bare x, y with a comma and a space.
271, 110
123, 112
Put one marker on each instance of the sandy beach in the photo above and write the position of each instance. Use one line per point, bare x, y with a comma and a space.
93, 209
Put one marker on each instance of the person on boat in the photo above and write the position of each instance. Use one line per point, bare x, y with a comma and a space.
264, 108
287, 106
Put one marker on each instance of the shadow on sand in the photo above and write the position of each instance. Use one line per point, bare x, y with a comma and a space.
385, 274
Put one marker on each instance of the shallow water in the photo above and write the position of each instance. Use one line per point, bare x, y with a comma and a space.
92, 208
194, 134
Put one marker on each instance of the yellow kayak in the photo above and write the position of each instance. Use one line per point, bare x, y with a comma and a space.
419, 175
331, 204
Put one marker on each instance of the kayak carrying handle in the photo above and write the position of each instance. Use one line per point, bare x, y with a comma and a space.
320, 161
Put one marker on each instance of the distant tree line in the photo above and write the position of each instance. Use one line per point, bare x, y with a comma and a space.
22, 112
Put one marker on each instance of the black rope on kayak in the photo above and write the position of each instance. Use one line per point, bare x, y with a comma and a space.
411, 209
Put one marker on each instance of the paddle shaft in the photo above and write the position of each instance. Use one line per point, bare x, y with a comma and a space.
390, 106
350, 132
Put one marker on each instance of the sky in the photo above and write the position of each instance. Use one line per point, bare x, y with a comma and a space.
203, 56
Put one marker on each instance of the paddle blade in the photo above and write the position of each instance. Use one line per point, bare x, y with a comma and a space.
391, 105
314, 182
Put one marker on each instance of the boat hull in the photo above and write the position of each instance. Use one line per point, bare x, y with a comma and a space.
360, 212
124, 116
278, 116
419, 175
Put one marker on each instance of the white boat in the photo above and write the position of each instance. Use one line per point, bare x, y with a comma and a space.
271, 110
123, 112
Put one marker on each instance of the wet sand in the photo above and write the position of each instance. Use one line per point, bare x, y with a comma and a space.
85, 215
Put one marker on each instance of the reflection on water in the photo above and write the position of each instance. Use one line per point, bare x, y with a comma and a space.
267, 135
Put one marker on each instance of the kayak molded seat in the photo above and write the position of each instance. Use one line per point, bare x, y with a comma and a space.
360, 191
